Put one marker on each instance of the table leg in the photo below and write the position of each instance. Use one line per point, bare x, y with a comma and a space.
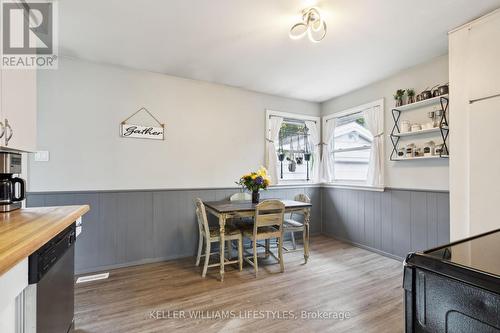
307, 219
222, 227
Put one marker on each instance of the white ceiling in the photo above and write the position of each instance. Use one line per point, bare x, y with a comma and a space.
245, 43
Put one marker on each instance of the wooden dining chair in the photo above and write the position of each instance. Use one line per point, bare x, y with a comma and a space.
212, 235
240, 196
268, 224
238, 222
292, 225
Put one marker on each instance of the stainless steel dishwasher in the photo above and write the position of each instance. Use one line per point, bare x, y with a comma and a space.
49, 298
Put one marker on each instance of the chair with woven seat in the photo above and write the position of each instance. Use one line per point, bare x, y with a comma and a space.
268, 224
212, 235
291, 225
240, 196
238, 222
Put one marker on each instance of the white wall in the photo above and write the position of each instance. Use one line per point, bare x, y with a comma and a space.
425, 174
214, 133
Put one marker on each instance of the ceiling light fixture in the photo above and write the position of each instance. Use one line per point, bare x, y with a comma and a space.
312, 25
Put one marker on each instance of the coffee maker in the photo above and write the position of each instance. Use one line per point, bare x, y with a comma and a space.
12, 188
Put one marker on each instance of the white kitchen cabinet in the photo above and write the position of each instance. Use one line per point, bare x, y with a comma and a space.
19, 109
12, 284
484, 165
484, 53
474, 76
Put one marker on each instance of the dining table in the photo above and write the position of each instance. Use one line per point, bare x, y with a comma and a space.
225, 209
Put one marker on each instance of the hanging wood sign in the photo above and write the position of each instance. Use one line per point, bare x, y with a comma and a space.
128, 130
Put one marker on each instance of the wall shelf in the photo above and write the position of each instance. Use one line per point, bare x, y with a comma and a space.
434, 157
443, 128
424, 131
425, 102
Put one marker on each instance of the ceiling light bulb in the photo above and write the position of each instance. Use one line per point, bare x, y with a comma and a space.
312, 24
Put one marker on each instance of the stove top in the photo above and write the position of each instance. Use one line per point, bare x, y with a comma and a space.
480, 253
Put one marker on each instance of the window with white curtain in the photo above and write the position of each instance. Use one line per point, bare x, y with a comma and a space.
353, 146
295, 146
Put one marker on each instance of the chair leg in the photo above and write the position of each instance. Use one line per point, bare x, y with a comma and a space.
200, 246
240, 253
268, 247
280, 253
255, 261
207, 257
293, 241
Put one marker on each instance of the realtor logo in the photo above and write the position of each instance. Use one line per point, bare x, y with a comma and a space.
29, 35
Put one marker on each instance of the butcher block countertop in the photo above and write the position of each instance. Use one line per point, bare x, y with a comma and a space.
24, 231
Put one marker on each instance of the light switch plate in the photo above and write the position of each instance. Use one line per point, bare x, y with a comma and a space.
42, 156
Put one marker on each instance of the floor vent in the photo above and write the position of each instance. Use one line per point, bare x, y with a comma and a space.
89, 278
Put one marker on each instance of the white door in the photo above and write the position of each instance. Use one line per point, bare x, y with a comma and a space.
484, 165
2, 118
484, 54
19, 105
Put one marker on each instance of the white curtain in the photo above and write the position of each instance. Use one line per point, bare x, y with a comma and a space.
315, 140
272, 145
327, 162
374, 120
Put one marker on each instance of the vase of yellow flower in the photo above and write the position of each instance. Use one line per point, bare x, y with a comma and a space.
255, 196
255, 181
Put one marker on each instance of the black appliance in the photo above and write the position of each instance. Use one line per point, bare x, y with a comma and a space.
454, 288
12, 188
49, 299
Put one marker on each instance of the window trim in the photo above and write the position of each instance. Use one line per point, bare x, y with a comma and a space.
303, 117
343, 113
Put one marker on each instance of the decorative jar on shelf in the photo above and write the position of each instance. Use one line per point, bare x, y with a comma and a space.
405, 126
429, 148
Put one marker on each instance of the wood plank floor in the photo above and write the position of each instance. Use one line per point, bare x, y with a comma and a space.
338, 279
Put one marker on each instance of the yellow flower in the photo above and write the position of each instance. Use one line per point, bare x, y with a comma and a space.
254, 175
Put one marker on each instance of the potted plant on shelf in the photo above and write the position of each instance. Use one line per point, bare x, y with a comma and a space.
399, 97
255, 181
411, 95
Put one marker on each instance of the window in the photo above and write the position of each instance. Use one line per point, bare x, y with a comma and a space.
352, 144
295, 150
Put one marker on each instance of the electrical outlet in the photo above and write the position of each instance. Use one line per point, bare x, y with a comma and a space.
42, 156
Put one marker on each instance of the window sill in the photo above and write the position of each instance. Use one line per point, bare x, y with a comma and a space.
348, 186
295, 183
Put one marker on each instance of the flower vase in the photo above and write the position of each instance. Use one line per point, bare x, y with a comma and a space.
255, 197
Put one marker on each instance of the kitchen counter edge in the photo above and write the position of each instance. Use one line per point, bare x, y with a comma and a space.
24, 231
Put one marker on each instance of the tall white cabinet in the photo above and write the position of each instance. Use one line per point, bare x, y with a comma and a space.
18, 107
475, 100
18, 112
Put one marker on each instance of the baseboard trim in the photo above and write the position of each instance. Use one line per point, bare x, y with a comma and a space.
130, 264
99, 269
365, 247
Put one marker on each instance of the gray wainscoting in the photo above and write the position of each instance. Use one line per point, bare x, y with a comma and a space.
131, 227
393, 222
